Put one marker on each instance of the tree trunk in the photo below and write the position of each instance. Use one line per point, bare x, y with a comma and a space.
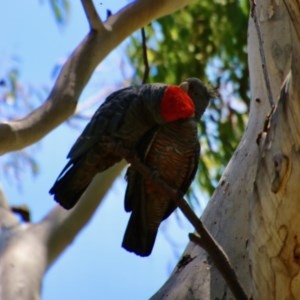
253, 212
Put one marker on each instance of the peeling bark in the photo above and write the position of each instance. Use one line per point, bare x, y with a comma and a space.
275, 223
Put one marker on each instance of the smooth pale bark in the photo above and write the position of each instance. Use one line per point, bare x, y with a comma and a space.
256, 226
275, 202
28, 250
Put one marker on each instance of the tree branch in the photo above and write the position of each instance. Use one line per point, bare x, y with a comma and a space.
221, 261
293, 8
145, 56
3, 199
7, 217
78, 69
262, 53
92, 15
59, 227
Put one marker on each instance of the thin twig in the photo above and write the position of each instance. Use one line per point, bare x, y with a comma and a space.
262, 53
92, 15
205, 240
221, 261
145, 56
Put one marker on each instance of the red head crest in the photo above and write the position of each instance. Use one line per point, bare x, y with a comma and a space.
176, 104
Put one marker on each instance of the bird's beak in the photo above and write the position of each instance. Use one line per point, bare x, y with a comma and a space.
184, 86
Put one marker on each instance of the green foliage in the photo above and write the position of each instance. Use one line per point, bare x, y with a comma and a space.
206, 40
18, 98
61, 10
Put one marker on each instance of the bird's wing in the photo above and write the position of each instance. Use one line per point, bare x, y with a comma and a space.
106, 119
134, 179
127, 114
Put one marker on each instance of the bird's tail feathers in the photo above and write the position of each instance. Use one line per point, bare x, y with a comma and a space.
69, 187
138, 238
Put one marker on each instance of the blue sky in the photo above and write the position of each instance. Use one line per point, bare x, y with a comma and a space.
94, 266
